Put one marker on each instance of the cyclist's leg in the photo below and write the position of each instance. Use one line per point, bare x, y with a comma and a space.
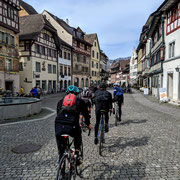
98, 117
77, 133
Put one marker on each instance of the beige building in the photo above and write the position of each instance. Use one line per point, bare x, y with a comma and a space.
95, 58
9, 42
39, 45
26, 9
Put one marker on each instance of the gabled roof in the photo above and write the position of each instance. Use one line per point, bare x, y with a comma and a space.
28, 8
75, 32
90, 38
64, 43
32, 25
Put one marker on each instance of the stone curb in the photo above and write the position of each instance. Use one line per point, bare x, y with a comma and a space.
32, 120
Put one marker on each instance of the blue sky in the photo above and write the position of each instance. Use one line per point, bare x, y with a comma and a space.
118, 23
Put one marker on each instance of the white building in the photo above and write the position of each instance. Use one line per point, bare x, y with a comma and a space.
133, 68
65, 65
171, 65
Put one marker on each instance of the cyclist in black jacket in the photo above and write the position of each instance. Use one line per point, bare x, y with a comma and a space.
103, 101
67, 121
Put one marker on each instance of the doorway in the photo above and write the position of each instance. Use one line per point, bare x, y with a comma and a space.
9, 85
170, 86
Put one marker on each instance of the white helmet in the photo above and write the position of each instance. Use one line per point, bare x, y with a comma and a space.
116, 84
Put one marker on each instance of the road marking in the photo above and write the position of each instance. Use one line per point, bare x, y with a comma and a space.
32, 120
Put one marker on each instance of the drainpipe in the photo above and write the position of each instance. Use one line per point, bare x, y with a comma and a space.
150, 39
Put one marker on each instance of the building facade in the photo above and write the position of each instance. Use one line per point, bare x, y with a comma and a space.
9, 43
38, 46
65, 59
95, 58
171, 65
80, 63
133, 68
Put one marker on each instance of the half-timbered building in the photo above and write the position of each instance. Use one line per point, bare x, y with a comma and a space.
9, 42
39, 45
171, 65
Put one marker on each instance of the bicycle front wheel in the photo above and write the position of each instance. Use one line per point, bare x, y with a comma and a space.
64, 169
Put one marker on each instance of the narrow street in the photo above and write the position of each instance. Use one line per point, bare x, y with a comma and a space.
144, 146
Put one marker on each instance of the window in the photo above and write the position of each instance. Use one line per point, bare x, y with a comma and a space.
97, 55
92, 73
78, 44
61, 69
158, 57
97, 65
92, 63
12, 40
49, 52
93, 53
94, 43
171, 49
27, 47
84, 59
43, 50
49, 68
38, 67
36, 48
69, 56
54, 69
69, 71
78, 58
65, 71
44, 85
8, 66
10, 13
85, 47
152, 60
65, 55
95, 73
2, 37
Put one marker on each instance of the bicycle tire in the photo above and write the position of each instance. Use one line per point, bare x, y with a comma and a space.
100, 141
66, 175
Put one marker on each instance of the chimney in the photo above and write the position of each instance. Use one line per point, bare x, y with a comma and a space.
67, 21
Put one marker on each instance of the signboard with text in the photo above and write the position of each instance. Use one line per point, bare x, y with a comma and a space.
163, 95
146, 91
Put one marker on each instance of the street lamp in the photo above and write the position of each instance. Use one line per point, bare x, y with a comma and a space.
177, 69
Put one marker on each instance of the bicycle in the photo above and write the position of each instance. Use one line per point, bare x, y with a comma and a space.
67, 165
68, 168
101, 133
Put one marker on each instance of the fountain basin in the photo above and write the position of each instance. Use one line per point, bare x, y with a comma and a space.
15, 107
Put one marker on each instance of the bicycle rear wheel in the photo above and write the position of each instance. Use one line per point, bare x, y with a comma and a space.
100, 141
64, 169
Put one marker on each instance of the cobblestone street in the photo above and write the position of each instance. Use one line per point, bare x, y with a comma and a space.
144, 146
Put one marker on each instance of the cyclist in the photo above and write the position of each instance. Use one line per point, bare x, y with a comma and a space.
86, 96
103, 101
118, 97
67, 120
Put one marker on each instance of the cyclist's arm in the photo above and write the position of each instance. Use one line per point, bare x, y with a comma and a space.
85, 112
59, 105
